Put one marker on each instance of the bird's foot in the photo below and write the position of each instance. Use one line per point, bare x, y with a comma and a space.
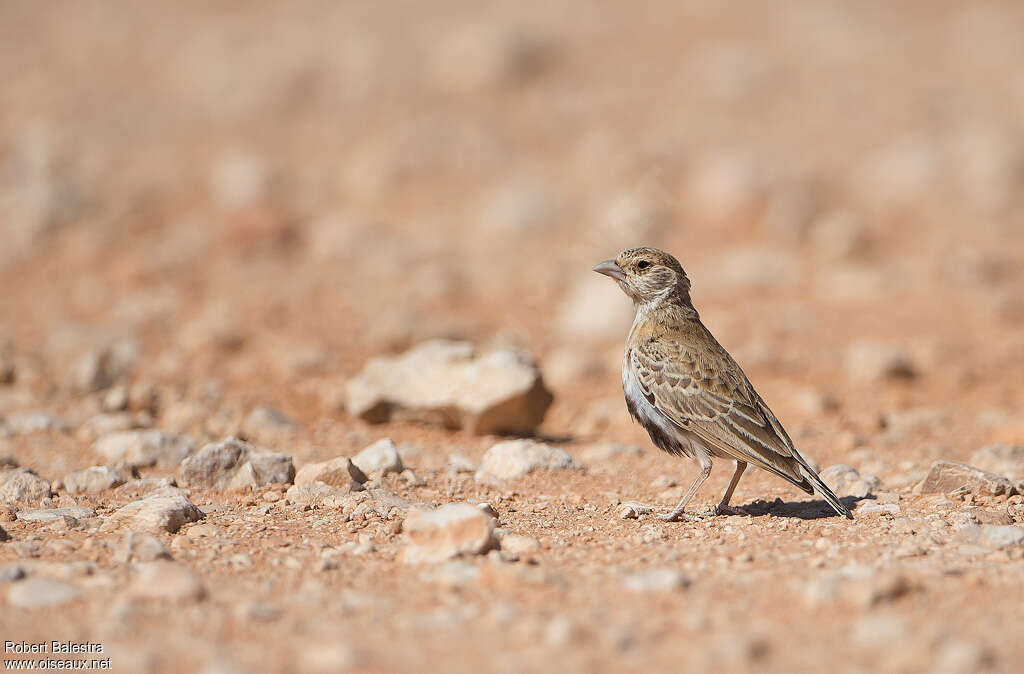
722, 509
677, 515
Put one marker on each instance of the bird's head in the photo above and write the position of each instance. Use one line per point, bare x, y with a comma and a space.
647, 275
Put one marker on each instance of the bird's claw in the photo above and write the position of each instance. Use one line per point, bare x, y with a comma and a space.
727, 510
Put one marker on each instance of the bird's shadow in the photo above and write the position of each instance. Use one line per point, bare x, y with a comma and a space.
804, 510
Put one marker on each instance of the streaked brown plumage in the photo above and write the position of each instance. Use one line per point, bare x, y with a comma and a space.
688, 392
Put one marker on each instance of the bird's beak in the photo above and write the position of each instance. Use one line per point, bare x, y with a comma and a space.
609, 268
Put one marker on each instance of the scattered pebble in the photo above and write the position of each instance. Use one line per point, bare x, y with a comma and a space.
379, 459
95, 479
40, 592
234, 464
655, 580
142, 449
947, 476
159, 512
167, 581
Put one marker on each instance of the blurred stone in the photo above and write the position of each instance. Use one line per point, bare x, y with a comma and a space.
877, 361
4, 536
451, 530
22, 486
996, 536
339, 472
519, 545
460, 464
518, 208
166, 580
629, 218
729, 71
102, 367
947, 476
846, 481
594, 310
239, 179
758, 268
899, 174
567, 365
55, 514
26, 423
1001, 459
267, 419
959, 657
95, 479
487, 54
139, 547
100, 425
515, 458
447, 384
233, 464
159, 512
839, 235
40, 592
725, 183
655, 580
142, 449
379, 459
115, 399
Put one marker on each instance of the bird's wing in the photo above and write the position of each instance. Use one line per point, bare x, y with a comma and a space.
703, 390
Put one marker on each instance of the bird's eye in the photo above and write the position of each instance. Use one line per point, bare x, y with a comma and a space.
643, 264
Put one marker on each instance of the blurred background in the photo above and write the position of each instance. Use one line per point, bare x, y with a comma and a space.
243, 201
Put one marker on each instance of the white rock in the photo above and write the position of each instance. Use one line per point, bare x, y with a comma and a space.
380, 458
946, 476
655, 580
515, 458
142, 449
158, 512
452, 530
22, 486
39, 592
166, 580
846, 481
95, 479
445, 383
239, 179
339, 472
233, 464
867, 361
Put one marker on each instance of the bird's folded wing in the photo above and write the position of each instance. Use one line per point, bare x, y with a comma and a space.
708, 394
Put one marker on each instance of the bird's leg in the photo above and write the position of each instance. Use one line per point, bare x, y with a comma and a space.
723, 507
677, 512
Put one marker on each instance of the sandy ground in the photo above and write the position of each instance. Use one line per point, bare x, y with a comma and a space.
241, 205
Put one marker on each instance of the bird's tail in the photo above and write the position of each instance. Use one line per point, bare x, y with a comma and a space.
822, 490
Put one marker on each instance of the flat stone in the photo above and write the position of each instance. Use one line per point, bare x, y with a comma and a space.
267, 420
519, 545
40, 592
54, 514
450, 531
380, 458
995, 536
234, 464
141, 449
947, 476
162, 511
95, 479
446, 383
25, 423
320, 494
516, 458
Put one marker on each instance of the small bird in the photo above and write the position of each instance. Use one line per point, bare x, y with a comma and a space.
687, 391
